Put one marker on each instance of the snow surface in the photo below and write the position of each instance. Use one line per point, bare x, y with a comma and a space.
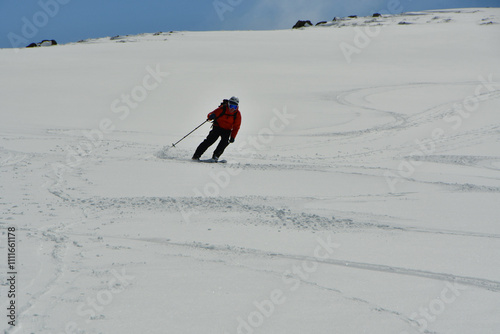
361, 196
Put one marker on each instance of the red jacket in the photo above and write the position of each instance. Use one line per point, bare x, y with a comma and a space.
231, 120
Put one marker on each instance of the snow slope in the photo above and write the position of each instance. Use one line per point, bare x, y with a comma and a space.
361, 195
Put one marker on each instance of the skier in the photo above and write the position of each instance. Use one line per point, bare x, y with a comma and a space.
226, 124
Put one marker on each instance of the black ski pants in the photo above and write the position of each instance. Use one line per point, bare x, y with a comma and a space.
212, 137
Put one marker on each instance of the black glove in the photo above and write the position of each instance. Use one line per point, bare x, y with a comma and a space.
211, 117
231, 140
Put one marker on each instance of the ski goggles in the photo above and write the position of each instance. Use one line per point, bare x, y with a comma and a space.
233, 106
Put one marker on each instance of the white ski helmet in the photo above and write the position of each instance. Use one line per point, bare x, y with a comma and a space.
235, 100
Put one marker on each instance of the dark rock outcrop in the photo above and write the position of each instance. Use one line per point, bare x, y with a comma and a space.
301, 24
45, 42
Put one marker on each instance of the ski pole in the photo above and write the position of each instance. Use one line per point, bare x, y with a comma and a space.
199, 126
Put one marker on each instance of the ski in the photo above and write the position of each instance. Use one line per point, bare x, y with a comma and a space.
212, 161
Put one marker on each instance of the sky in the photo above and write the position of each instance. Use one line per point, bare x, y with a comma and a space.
28, 21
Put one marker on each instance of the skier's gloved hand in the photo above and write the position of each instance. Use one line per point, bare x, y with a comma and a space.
211, 117
231, 140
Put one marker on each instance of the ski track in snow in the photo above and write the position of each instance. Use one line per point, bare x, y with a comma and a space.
471, 281
254, 252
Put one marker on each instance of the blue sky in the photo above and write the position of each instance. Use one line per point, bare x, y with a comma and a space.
27, 21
